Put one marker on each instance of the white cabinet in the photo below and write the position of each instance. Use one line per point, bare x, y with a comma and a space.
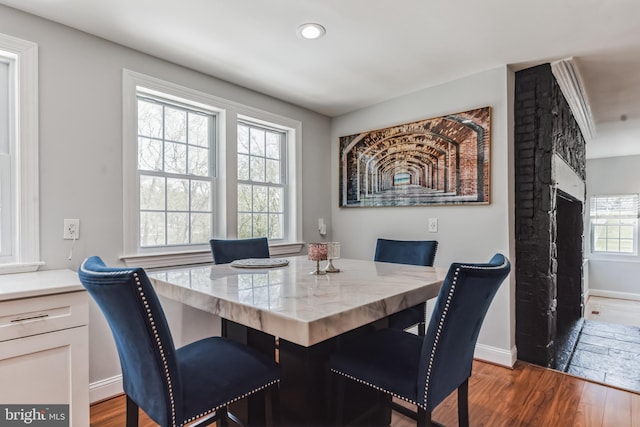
44, 351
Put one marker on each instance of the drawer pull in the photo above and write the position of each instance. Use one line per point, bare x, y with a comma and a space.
39, 316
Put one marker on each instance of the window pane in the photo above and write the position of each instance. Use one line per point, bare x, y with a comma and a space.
244, 198
600, 244
626, 246
152, 228
201, 196
175, 124
149, 119
260, 225
243, 139
613, 231
260, 198
613, 246
149, 154
177, 228
273, 171
257, 142
200, 227
626, 232
243, 167
175, 158
273, 145
275, 199
257, 169
180, 150
244, 226
198, 130
198, 161
177, 194
275, 226
151, 193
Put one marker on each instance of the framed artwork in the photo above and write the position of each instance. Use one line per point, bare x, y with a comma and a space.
443, 160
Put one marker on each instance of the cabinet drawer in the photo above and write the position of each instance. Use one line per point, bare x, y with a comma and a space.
31, 316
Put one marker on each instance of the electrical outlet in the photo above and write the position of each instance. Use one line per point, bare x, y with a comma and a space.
433, 225
71, 229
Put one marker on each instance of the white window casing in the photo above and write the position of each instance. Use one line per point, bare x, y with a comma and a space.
23, 203
225, 172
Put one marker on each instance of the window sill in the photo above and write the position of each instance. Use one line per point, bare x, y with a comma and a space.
162, 260
20, 268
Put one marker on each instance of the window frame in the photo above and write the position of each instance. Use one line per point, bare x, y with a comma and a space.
284, 179
190, 109
225, 172
24, 175
592, 225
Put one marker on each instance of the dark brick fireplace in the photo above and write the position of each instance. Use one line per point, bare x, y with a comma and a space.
549, 152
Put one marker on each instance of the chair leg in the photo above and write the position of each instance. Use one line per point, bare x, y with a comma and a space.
272, 405
463, 404
422, 329
424, 418
338, 399
132, 413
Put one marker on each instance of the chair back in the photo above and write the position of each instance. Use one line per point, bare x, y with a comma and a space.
141, 333
447, 350
226, 251
413, 252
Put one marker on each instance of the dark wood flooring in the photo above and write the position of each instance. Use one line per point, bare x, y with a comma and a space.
526, 396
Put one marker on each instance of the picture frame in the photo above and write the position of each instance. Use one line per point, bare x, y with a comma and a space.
443, 160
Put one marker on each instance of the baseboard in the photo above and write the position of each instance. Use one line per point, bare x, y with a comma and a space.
614, 294
496, 355
105, 389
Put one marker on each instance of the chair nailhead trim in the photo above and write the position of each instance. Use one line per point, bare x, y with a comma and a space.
160, 349
376, 387
235, 399
152, 323
444, 316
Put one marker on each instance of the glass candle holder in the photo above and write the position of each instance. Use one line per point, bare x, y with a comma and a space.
333, 252
317, 252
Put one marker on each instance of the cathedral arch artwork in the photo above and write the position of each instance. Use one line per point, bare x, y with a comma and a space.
443, 160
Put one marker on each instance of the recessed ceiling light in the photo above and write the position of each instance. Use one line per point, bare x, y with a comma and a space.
311, 31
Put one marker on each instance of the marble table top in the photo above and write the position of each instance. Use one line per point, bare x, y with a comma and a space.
294, 305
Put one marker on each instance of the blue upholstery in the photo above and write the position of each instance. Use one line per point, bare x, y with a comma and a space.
226, 251
172, 386
412, 252
425, 370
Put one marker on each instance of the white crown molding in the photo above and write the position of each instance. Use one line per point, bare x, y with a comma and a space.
566, 73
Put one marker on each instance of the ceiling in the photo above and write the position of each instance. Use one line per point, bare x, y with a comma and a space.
374, 50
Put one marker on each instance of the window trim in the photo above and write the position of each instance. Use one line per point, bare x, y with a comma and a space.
225, 171
608, 254
25, 198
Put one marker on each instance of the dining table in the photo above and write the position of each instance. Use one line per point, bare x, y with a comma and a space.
281, 308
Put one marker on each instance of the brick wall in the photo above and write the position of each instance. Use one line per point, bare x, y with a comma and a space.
544, 125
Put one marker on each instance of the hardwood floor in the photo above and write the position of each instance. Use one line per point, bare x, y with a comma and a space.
526, 396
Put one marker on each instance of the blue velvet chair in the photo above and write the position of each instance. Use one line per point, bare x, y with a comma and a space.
226, 251
413, 252
173, 386
425, 370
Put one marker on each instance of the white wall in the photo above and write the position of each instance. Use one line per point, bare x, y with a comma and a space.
465, 233
80, 80
612, 276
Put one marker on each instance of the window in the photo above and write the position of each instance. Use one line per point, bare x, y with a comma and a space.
196, 166
614, 224
261, 181
175, 146
19, 221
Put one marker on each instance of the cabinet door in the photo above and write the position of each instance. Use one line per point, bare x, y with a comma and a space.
51, 368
